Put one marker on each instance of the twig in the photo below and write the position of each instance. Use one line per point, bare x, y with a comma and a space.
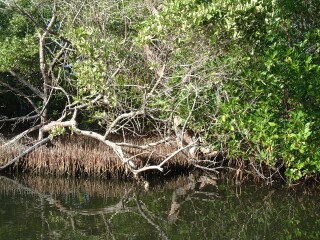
120, 117
159, 166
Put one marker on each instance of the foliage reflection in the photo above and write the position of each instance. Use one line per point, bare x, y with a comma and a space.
190, 207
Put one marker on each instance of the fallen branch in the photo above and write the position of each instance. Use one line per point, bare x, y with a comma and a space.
144, 147
16, 159
21, 135
159, 166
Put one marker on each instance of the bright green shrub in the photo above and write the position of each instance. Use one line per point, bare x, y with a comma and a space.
264, 107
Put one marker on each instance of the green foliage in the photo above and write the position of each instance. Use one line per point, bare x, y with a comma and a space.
57, 131
265, 108
244, 74
17, 53
18, 46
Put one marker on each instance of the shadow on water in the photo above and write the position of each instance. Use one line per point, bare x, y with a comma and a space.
187, 207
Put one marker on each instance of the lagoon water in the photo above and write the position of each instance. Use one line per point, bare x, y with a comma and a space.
187, 207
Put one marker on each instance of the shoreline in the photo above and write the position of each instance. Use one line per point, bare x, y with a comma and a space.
81, 157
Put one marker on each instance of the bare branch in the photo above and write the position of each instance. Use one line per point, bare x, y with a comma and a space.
117, 149
24, 153
19, 93
36, 23
21, 135
160, 76
159, 166
27, 84
64, 92
165, 140
54, 124
23, 118
206, 168
57, 56
120, 117
84, 105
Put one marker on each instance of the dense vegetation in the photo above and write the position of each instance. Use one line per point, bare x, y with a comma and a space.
242, 74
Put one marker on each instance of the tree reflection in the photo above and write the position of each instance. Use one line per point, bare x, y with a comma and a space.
192, 207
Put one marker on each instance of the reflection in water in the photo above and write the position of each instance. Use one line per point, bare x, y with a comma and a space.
190, 207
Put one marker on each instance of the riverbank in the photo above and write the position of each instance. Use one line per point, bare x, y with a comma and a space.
81, 156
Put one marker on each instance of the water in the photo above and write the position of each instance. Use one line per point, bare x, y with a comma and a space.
190, 207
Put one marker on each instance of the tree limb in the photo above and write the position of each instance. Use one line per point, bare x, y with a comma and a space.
120, 117
27, 84
24, 153
21, 135
23, 118
165, 140
159, 166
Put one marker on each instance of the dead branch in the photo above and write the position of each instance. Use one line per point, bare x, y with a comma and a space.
34, 21
159, 166
64, 92
19, 93
27, 84
24, 153
75, 105
160, 76
55, 124
206, 168
21, 135
17, 119
121, 117
55, 59
144, 147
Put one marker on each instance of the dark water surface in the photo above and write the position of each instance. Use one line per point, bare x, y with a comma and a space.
190, 207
